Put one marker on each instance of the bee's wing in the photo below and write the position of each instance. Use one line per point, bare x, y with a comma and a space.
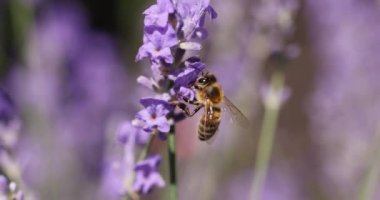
236, 115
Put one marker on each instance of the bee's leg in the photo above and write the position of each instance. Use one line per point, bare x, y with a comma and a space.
183, 107
186, 109
194, 102
196, 110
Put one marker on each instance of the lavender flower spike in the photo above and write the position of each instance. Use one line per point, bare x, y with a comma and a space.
168, 33
128, 131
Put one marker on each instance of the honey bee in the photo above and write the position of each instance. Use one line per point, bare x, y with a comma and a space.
210, 96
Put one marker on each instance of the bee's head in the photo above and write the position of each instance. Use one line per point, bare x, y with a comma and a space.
204, 80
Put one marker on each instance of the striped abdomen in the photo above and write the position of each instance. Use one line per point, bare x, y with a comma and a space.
209, 123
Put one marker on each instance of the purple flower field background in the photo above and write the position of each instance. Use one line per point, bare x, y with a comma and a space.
91, 95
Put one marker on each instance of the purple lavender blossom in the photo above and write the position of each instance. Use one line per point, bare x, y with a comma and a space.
154, 119
157, 46
158, 15
147, 176
192, 14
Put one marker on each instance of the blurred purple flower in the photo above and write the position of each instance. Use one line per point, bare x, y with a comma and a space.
147, 176
72, 82
146, 102
275, 21
127, 129
7, 108
345, 108
3, 188
9, 190
9, 123
15, 192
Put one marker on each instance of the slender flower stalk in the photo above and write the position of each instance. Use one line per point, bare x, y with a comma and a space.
371, 178
22, 17
272, 103
172, 164
275, 19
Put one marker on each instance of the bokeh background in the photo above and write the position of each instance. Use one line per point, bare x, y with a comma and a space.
69, 68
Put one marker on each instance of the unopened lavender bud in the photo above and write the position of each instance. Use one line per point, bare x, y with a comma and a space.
194, 46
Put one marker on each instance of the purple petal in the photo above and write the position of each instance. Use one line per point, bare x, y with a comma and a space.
163, 124
143, 115
166, 5
164, 54
159, 20
7, 108
153, 9
187, 77
212, 12
146, 102
151, 163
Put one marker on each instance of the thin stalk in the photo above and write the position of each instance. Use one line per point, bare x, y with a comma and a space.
21, 18
371, 179
271, 110
172, 164
146, 150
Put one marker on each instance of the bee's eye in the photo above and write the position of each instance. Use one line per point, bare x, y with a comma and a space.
202, 80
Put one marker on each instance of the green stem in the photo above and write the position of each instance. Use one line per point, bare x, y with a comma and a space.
145, 151
21, 18
172, 164
368, 186
271, 110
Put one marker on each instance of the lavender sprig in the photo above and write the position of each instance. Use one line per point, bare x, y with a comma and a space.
273, 98
170, 29
276, 20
